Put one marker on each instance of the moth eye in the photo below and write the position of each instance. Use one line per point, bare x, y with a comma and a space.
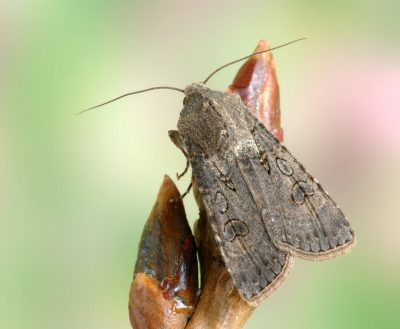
185, 101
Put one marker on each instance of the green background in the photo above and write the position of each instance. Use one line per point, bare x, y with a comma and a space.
75, 191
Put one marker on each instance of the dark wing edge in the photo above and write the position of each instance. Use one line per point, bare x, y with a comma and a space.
271, 287
337, 218
317, 256
257, 267
274, 285
340, 250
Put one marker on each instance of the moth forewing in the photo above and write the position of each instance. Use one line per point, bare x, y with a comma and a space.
261, 203
299, 215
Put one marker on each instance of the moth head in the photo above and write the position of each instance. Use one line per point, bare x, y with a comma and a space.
201, 121
196, 87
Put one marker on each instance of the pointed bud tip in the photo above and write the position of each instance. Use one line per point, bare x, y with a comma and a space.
168, 190
165, 283
257, 85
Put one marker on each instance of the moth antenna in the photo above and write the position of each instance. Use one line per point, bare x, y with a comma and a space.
128, 94
241, 59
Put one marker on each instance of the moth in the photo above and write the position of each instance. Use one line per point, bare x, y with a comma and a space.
263, 206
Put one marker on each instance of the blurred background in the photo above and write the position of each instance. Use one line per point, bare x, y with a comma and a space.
75, 192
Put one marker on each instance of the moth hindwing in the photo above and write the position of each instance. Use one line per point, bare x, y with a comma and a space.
262, 204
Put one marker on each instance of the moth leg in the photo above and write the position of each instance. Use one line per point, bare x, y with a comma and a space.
176, 139
180, 175
187, 190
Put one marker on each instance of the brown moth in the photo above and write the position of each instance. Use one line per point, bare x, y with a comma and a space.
263, 206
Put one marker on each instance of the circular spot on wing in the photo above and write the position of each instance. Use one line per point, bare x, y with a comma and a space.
234, 228
244, 159
297, 195
306, 188
284, 166
300, 191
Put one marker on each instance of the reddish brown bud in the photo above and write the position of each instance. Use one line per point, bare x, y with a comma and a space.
164, 289
257, 85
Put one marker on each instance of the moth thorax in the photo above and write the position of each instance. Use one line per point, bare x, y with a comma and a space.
202, 125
